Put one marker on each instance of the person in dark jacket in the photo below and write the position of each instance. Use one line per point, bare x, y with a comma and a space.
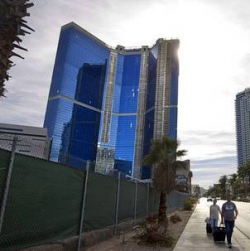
228, 216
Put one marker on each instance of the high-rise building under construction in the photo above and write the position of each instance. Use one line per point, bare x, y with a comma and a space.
106, 104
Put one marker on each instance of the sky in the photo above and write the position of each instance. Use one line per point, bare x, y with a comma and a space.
214, 59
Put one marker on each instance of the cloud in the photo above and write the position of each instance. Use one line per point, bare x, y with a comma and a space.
237, 12
203, 144
217, 161
207, 172
202, 136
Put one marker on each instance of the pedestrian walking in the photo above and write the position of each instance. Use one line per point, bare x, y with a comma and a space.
228, 216
214, 214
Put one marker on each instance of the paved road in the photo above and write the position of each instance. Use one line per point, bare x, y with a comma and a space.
243, 220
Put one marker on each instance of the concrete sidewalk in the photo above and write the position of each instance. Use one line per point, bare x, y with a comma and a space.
194, 236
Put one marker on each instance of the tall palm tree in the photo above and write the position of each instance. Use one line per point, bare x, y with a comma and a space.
244, 174
223, 186
233, 183
163, 157
241, 177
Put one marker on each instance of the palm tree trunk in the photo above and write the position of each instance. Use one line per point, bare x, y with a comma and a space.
162, 216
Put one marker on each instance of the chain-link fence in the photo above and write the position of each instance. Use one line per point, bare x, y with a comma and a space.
42, 201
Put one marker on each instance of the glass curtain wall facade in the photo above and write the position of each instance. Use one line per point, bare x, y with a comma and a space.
242, 109
106, 104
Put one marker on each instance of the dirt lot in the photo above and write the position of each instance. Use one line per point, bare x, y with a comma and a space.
126, 242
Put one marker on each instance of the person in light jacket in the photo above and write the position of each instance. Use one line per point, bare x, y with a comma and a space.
214, 214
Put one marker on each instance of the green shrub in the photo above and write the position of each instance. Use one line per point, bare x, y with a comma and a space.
193, 200
188, 205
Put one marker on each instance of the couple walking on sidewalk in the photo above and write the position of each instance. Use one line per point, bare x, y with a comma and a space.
229, 213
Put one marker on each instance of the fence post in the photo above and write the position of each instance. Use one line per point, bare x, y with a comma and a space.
117, 201
7, 184
83, 204
147, 199
135, 201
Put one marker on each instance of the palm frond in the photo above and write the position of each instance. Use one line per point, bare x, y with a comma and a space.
181, 153
178, 164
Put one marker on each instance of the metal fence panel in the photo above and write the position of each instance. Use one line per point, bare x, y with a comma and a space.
4, 163
45, 201
154, 197
43, 204
142, 200
100, 202
127, 198
176, 199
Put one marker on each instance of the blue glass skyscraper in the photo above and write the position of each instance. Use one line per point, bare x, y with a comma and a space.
106, 104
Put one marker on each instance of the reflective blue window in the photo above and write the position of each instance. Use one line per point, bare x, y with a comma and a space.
58, 71
75, 51
152, 73
148, 136
74, 132
118, 83
90, 84
84, 133
149, 116
130, 83
58, 117
125, 141
174, 77
172, 130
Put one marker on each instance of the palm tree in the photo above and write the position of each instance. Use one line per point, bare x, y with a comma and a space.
233, 183
163, 157
241, 177
244, 174
223, 184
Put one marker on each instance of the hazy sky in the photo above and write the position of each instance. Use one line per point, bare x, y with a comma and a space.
214, 65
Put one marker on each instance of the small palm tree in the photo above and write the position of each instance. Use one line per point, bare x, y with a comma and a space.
163, 156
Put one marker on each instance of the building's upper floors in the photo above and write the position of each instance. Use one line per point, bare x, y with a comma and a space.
84, 66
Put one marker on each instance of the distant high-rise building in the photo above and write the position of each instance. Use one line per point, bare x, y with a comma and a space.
32, 141
242, 108
106, 104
